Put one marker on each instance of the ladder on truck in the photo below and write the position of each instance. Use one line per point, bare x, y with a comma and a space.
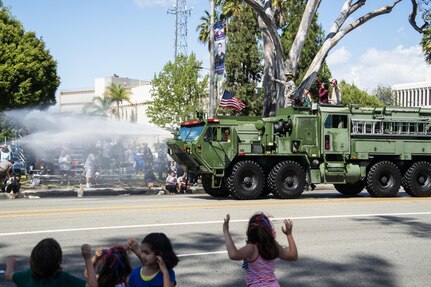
391, 127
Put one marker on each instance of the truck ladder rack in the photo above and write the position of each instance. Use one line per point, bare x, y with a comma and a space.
391, 127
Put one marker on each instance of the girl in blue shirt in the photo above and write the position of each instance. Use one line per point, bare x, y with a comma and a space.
158, 260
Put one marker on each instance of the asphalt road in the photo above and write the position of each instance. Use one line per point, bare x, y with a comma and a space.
359, 241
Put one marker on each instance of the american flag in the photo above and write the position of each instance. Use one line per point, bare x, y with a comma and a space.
230, 101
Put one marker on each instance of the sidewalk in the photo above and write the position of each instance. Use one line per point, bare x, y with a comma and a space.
105, 191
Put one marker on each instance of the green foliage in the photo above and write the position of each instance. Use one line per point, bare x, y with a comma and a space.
177, 92
28, 73
6, 128
101, 106
118, 94
204, 27
312, 44
385, 95
243, 62
350, 94
426, 44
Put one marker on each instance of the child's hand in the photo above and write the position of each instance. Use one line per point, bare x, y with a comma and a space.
162, 264
287, 228
99, 252
86, 251
226, 222
132, 244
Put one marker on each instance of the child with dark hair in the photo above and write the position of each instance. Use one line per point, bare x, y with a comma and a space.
45, 267
261, 250
158, 260
113, 266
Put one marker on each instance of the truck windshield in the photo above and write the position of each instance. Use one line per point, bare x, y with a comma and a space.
189, 134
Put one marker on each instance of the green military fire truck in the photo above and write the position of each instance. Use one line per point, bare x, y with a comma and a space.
380, 149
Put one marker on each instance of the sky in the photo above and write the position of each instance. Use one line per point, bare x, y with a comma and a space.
135, 39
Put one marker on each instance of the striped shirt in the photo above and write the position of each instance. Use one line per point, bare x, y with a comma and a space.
260, 272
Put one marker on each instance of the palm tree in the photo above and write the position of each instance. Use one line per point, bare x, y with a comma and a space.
101, 106
117, 94
204, 27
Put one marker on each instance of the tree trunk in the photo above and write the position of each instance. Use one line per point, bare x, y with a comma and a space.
273, 57
291, 63
273, 67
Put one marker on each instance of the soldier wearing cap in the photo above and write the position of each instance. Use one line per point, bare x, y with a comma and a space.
289, 87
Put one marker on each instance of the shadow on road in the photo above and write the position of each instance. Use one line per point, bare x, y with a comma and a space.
219, 270
413, 226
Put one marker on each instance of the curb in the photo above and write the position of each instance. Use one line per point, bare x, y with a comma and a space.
72, 192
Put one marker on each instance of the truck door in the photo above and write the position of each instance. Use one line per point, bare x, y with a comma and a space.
336, 134
217, 149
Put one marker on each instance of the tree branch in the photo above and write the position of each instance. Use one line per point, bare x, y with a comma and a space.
362, 20
301, 35
331, 42
412, 18
268, 20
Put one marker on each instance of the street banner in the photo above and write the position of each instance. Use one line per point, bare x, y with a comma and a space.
219, 51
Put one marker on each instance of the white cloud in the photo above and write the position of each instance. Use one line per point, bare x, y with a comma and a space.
384, 67
339, 56
146, 3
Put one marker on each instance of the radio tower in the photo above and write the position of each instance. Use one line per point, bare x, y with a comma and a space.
181, 13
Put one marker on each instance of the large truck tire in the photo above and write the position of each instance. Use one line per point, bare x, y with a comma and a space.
246, 181
383, 179
287, 179
417, 179
214, 192
350, 189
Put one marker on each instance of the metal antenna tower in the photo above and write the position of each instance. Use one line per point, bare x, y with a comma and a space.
181, 13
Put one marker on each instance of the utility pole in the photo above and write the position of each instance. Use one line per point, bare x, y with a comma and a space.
211, 101
181, 13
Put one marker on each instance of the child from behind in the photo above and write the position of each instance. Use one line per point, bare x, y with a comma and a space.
261, 250
112, 266
158, 260
45, 267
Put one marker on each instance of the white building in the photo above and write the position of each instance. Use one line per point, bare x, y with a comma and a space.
413, 94
74, 101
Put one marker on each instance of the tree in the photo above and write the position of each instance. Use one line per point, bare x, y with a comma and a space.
243, 61
118, 94
350, 94
385, 95
313, 42
101, 106
204, 27
275, 66
177, 92
28, 73
426, 44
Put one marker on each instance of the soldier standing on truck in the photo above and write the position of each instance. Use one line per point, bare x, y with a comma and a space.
289, 88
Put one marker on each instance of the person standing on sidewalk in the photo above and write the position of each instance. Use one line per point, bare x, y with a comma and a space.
90, 170
5, 170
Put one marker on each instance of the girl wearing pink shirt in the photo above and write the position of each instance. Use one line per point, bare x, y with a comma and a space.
261, 250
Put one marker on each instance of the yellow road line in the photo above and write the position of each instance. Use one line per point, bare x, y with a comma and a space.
188, 206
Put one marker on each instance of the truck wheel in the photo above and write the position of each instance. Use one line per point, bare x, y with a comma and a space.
214, 192
287, 179
383, 179
246, 180
417, 179
350, 189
